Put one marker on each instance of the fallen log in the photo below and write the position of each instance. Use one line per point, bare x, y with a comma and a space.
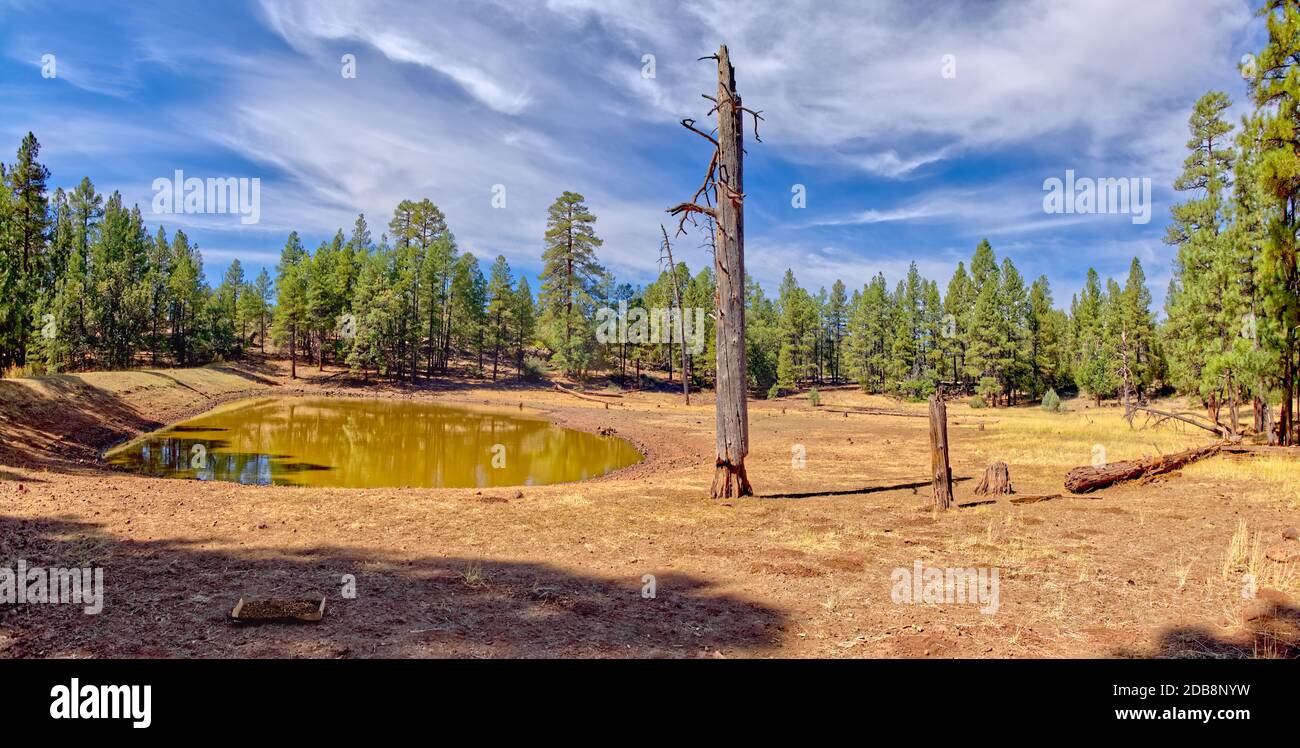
594, 393
877, 412
582, 396
1035, 498
1092, 477
1262, 450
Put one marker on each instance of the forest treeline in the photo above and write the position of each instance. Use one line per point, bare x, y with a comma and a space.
84, 283
101, 291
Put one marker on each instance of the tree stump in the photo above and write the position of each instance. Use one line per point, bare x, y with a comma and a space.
996, 480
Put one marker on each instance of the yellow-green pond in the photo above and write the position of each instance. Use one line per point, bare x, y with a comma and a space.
366, 443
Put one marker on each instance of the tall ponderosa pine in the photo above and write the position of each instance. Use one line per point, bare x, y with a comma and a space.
1276, 89
291, 298
573, 282
500, 309
24, 230
1202, 303
1094, 348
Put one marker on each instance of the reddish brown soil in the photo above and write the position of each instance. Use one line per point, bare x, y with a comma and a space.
803, 570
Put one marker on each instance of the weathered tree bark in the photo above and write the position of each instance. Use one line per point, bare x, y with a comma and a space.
1090, 478
941, 469
1266, 424
1262, 450
724, 182
732, 438
1288, 392
996, 480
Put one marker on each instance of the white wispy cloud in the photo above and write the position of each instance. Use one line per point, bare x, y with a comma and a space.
451, 100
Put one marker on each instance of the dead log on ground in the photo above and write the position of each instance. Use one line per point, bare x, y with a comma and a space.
1262, 450
996, 480
581, 395
1035, 498
1092, 477
877, 412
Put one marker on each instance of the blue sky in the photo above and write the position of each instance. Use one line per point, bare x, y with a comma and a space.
899, 162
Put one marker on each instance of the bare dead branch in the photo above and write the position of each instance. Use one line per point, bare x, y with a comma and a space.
687, 210
1165, 415
689, 124
758, 117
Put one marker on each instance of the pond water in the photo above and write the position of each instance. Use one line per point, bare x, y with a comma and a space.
359, 443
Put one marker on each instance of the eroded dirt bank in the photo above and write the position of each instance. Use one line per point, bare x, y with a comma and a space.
806, 570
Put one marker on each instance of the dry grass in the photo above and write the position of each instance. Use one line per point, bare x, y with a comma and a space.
1032, 436
1245, 564
801, 570
1282, 475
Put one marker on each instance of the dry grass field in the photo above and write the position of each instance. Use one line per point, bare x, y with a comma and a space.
1173, 567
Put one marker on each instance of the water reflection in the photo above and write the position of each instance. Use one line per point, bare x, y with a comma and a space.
356, 443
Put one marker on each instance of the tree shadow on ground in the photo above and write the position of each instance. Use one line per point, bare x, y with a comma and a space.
1270, 628
243, 372
172, 598
70, 421
855, 491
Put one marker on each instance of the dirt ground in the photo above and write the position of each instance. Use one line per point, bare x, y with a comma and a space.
802, 570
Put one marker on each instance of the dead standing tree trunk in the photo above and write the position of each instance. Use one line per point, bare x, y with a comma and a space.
681, 318
940, 468
724, 183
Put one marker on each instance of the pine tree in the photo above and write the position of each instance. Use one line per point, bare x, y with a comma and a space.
1254, 353
699, 295
500, 311
762, 335
1200, 306
525, 319
262, 289
1136, 335
907, 356
1276, 89
985, 342
468, 297
798, 318
1013, 312
573, 282
870, 332
291, 298
957, 306
1094, 369
837, 322
22, 248
1045, 327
